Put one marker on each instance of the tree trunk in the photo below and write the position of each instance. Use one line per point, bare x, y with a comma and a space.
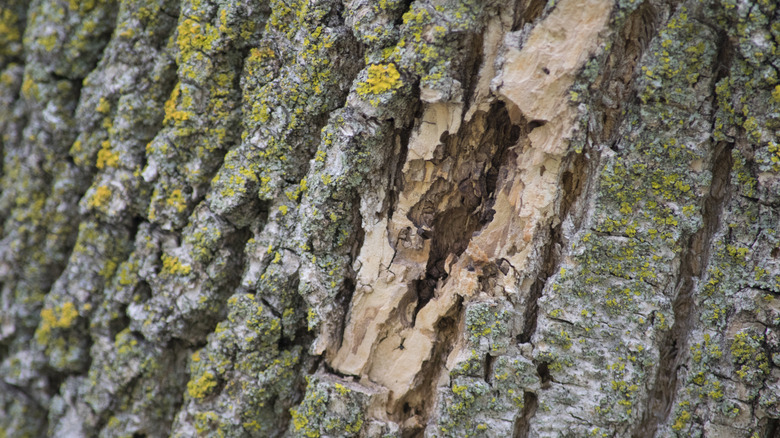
360, 218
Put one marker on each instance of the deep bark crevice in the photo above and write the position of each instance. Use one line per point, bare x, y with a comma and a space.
452, 211
693, 261
405, 6
577, 173
474, 63
572, 182
543, 370
523, 421
489, 365
548, 265
613, 88
772, 429
418, 402
343, 300
526, 11
674, 346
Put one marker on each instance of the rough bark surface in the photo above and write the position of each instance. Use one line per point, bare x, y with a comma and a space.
399, 218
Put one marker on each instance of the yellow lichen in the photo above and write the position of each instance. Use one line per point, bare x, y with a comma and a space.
125, 343
172, 265
681, 421
100, 197
82, 5
48, 42
29, 88
58, 317
106, 157
205, 421
196, 36
171, 110
381, 78
108, 269
201, 387
104, 106
177, 201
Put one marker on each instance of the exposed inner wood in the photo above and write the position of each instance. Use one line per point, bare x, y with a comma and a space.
481, 187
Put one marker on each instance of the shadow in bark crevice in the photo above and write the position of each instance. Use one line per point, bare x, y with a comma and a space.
448, 215
693, 260
418, 402
523, 421
453, 210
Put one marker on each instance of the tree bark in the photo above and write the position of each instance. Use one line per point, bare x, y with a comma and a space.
355, 218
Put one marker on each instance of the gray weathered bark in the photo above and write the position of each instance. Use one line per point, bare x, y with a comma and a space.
400, 218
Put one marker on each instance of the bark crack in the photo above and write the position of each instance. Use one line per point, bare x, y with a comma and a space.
694, 258
693, 261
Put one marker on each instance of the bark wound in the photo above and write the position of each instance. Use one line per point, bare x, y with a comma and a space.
448, 187
475, 190
466, 199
